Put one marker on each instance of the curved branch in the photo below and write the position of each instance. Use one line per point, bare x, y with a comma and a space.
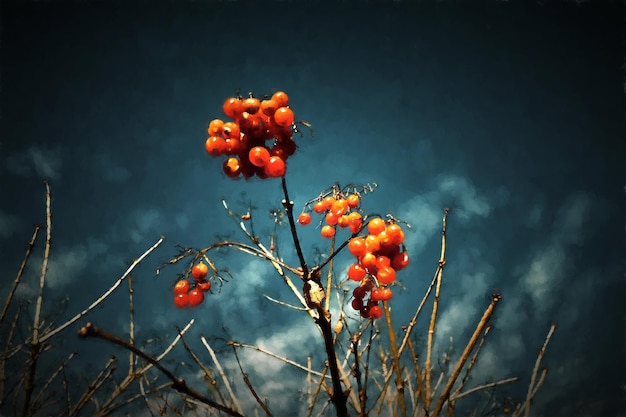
179, 384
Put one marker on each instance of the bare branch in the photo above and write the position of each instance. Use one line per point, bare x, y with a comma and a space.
103, 296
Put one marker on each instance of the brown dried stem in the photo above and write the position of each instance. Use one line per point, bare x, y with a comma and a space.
468, 348
395, 360
431, 328
35, 344
18, 277
246, 380
179, 384
222, 374
532, 387
104, 296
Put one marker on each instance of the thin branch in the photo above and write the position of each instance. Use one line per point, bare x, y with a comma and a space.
282, 303
468, 348
288, 205
431, 328
531, 386
250, 387
103, 296
395, 359
482, 387
18, 277
35, 343
44, 268
273, 355
178, 384
222, 374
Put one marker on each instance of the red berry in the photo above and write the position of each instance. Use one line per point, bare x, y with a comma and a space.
395, 233
181, 287
284, 116
251, 105
275, 167
233, 107
203, 286
376, 294
382, 261
332, 218
181, 300
232, 167
368, 261
196, 297
400, 261
359, 292
268, 107
356, 272
357, 303
386, 275
259, 156
216, 127
281, 98
215, 145
385, 294
304, 218
356, 246
375, 312
353, 200
231, 130
328, 231
339, 206
319, 207
199, 271
376, 225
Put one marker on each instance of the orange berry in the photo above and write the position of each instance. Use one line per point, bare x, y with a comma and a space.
284, 116
281, 98
356, 272
215, 127
328, 231
357, 247
353, 200
304, 219
319, 207
376, 225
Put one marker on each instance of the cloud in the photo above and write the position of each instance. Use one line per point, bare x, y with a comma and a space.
146, 222
109, 169
549, 266
42, 161
287, 343
8, 224
464, 199
65, 265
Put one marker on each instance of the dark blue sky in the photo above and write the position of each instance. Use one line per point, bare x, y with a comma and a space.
512, 115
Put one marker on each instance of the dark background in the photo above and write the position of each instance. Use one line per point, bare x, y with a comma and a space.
511, 113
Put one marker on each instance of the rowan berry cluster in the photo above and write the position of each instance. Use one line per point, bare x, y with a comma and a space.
192, 294
380, 254
244, 140
338, 211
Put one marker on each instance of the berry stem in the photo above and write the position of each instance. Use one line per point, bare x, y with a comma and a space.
288, 205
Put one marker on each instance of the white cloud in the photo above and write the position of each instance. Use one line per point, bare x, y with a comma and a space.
465, 200
42, 161
549, 267
65, 265
148, 221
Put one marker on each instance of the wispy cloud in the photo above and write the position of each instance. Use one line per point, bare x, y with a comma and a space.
109, 169
41, 161
146, 221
